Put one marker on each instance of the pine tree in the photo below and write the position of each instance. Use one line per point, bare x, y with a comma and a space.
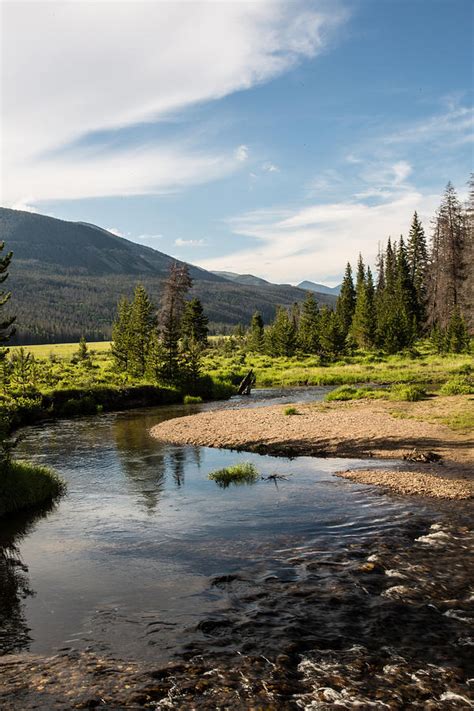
308, 327
121, 336
6, 330
448, 260
23, 366
281, 339
140, 329
194, 323
255, 339
457, 337
346, 301
363, 327
417, 255
406, 301
332, 342
176, 287
468, 291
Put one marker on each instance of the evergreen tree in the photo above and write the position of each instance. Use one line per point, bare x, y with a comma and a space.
176, 287
121, 335
194, 324
255, 339
308, 327
457, 337
346, 301
417, 255
140, 328
281, 339
468, 292
363, 326
6, 330
406, 301
448, 262
332, 342
23, 369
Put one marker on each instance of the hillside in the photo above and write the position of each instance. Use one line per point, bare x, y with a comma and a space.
320, 288
247, 279
66, 279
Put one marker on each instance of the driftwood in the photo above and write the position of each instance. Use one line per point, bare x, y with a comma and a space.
417, 455
247, 383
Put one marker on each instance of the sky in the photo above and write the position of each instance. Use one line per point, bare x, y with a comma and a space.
273, 138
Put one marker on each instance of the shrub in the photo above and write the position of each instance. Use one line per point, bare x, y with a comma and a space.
245, 473
192, 399
290, 411
409, 393
459, 385
349, 392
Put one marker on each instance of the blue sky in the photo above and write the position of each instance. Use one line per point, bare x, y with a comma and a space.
267, 137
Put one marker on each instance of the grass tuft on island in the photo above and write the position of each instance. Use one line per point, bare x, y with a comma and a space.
244, 473
24, 485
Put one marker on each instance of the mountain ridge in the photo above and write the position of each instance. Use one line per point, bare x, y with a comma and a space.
67, 277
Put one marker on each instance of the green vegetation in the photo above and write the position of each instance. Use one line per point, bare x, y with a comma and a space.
245, 473
408, 393
24, 485
348, 392
290, 411
458, 385
192, 399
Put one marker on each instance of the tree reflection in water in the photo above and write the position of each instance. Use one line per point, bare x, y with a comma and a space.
14, 580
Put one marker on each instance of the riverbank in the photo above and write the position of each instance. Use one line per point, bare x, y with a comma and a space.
24, 485
362, 429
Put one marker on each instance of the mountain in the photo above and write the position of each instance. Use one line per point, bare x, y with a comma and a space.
66, 279
320, 288
247, 279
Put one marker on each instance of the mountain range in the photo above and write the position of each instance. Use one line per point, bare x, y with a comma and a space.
66, 279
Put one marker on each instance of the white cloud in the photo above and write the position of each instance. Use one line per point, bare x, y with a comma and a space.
242, 153
75, 68
316, 241
115, 231
190, 242
270, 168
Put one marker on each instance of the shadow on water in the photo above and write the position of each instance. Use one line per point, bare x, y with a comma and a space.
15, 584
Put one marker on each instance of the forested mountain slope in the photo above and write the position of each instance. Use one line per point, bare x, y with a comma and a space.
66, 279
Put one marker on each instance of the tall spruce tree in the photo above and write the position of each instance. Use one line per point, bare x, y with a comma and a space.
175, 289
468, 292
417, 254
140, 328
308, 327
346, 301
406, 301
121, 336
281, 336
331, 337
6, 326
448, 260
255, 338
363, 327
194, 324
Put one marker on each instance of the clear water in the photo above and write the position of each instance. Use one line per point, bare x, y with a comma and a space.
146, 557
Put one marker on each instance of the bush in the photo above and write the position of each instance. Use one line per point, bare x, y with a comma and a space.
192, 399
349, 392
409, 393
244, 473
290, 411
459, 385
24, 485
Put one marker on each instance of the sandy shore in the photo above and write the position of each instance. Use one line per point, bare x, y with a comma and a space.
361, 429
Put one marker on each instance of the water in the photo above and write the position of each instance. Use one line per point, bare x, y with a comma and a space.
146, 558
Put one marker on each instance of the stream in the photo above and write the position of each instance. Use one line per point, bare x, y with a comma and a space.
329, 581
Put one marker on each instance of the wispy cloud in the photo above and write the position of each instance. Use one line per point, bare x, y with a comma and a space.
140, 62
190, 242
242, 153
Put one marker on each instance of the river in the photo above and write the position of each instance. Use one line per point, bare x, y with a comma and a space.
146, 558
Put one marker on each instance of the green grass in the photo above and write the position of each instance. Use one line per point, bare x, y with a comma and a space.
24, 485
245, 473
63, 350
192, 399
461, 421
408, 393
290, 411
459, 385
349, 392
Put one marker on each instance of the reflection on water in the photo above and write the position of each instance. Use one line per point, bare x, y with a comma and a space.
147, 557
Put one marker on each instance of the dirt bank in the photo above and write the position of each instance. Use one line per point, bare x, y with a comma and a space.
361, 429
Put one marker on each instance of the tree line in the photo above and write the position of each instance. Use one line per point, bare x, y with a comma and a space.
420, 289
165, 345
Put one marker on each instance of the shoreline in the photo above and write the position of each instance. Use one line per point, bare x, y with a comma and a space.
362, 429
